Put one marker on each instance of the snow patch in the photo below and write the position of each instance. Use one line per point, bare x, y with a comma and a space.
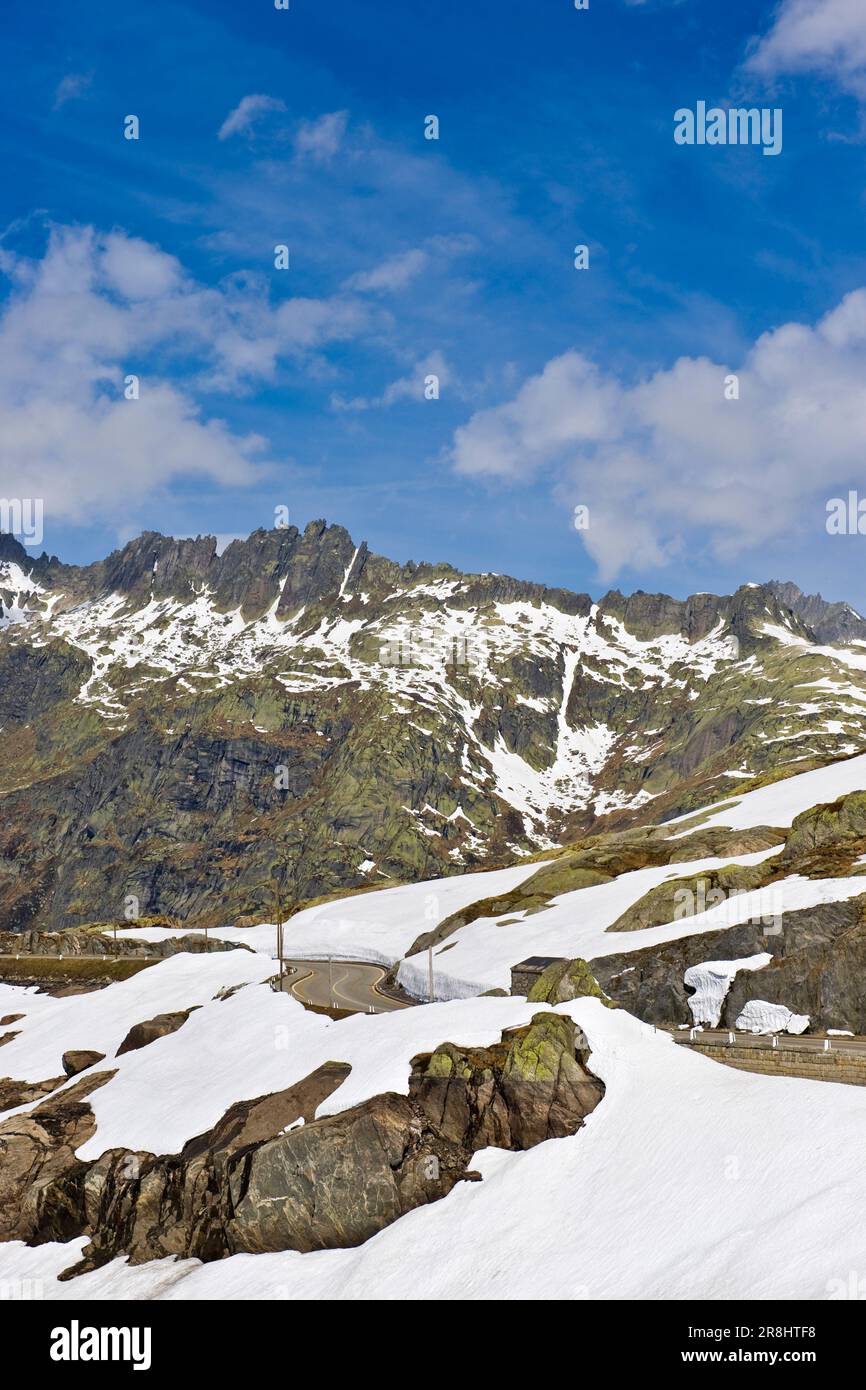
761, 1017
711, 981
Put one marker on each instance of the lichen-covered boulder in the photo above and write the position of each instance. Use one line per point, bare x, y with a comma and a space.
565, 980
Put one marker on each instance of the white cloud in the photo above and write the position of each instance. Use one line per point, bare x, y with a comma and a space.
671, 463
567, 403
321, 139
93, 458
827, 37
136, 270
242, 119
73, 85
399, 270
395, 273
94, 296
412, 386
98, 307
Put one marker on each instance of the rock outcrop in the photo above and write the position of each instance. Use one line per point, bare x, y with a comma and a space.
564, 980
269, 1176
830, 622
15, 1093
41, 1180
817, 966
142, 1034
678, 898
78, 943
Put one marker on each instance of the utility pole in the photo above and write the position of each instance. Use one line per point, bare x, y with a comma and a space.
430, 973
280, 920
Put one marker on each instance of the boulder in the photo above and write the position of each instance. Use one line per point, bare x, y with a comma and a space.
339, 1180
182, 1204
75, 1061
141, 1034
564, 980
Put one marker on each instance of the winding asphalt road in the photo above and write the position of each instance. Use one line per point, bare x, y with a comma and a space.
348, 984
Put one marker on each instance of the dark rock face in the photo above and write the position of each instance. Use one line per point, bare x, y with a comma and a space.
75, 1061
830, 622
41, 1180
35, 680
141, 1034
818, 953
818, 967
822, 978
257, 1182
651, 615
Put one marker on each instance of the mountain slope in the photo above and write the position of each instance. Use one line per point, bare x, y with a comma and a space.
182, 728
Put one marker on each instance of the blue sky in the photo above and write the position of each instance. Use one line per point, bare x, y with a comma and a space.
410, 258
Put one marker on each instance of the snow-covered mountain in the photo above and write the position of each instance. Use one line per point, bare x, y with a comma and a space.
182, 728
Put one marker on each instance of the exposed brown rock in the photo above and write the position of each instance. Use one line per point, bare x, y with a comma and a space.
81, 944
41, 1180
181, 1203
75, 1061
15, 1093
141, 1034
334, 1182
260, 1180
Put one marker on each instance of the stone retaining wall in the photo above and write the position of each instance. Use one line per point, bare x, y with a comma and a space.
846, 1067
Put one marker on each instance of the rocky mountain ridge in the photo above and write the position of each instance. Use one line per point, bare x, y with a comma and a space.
184, 730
